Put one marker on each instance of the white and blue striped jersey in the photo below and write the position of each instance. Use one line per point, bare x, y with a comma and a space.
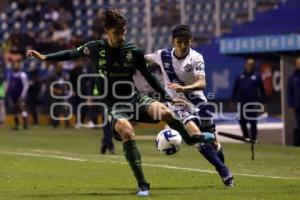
184, 72
181, 71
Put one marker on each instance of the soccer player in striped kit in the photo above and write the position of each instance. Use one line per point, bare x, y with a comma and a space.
184, 77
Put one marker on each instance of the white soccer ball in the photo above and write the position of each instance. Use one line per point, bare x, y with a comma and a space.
168, 141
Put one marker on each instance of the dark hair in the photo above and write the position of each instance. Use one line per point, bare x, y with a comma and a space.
182, 31
113, 18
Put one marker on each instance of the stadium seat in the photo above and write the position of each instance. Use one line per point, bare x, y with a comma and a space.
3, 16
90, 13
76, 3
88, 3
41, 24
100, 2
4, 26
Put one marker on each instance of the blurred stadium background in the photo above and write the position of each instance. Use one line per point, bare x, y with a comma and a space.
225, 32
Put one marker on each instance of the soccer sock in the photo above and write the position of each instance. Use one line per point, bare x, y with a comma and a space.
25, 119
221, 155
178, 126
220, 152
133, 156
211, 155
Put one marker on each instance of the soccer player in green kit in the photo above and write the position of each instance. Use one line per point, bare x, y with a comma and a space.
116, 61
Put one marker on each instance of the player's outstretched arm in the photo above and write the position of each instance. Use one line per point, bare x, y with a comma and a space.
56, 56
36, 54
199, 84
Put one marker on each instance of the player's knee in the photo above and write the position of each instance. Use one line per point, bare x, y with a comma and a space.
166, 114
124, 129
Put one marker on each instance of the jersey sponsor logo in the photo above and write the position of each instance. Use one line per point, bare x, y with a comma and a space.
86, 51
102, 73
168, 68
102, 53
127, 65
167, 65
114, 74
101, 62
129, 56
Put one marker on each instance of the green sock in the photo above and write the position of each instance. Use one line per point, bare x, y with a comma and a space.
178, 126
133, 156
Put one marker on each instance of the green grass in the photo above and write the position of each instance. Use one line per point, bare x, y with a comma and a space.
46, 163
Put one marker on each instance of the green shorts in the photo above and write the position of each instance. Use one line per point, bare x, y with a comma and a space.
133, 109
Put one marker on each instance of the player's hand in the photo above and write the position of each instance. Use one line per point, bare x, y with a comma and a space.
180, 102
33, 53
176, 87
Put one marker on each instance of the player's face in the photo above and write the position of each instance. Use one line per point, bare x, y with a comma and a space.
16, 65
249, 65
116, 36
182, 46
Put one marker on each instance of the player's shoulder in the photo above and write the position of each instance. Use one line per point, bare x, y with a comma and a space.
195, 54
132, 47
95, 43
159, 52
88, 47
23, 74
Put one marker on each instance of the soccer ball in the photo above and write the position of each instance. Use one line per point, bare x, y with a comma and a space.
168, 141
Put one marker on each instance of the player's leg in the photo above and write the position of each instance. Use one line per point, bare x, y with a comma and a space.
107, 142
209, 126
54, 114
211, 154
243, 123
16, 111
253, 123
123, 131
253, 130
2, 113
24, 114
159, 111
206, 123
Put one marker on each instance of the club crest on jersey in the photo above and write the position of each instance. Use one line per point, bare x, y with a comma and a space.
86, 51
188, 68
129, 56
167, 65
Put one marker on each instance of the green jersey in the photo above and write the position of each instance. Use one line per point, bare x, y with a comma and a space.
115, 65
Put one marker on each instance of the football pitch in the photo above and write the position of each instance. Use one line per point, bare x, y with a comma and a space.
47, 163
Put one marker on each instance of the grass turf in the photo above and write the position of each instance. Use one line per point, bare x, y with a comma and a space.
46, 163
